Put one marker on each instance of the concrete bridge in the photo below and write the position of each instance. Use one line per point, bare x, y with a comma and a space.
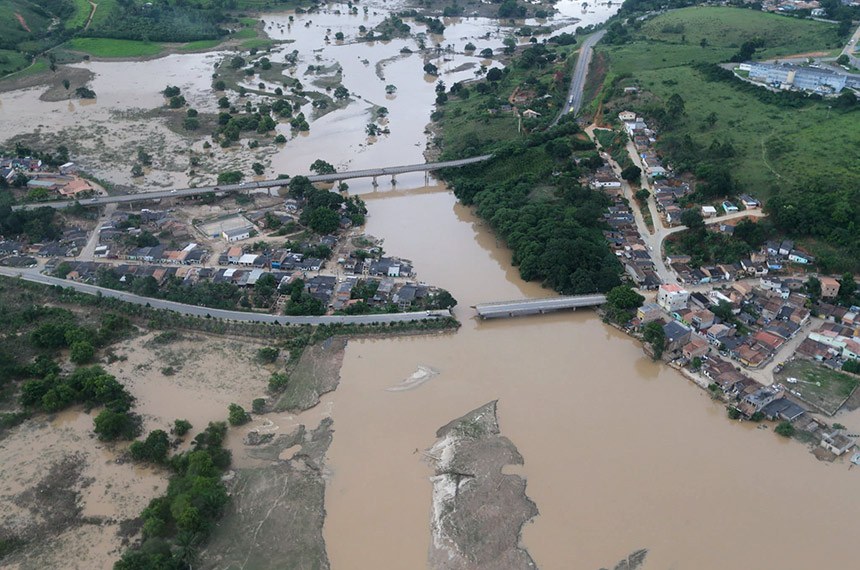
525, 307
221, 189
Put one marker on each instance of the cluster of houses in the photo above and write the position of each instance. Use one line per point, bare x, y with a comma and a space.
765, 317
68, 244
65, 182
10, 168
643, 139
624, 237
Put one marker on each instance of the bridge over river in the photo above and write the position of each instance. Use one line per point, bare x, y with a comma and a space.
525, 307
392, 171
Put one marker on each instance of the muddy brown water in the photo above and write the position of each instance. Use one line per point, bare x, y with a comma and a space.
620, 453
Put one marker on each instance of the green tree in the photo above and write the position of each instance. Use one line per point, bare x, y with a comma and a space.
230, 177
258, 168
654, 335
181, 427
324, 220
785, 429
322, 167
624, 297
692, 218
632, 173
82, 352
237, 416
111, 425
278, 382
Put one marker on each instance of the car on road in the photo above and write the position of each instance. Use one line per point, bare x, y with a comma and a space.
173, 191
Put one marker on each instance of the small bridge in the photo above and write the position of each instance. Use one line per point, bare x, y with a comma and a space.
392, 171
525, 307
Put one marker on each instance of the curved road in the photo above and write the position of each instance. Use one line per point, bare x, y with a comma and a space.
223, 188
580, 72
239, 316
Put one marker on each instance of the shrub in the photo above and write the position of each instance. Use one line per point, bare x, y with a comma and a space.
278, 382
258, 406
268, 354
82, 352
111, 425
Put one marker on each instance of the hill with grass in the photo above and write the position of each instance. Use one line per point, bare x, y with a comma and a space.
796, 152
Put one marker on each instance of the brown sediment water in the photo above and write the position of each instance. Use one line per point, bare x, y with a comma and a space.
620, 453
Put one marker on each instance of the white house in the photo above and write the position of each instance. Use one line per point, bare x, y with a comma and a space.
627, 116
672, 297
708, 211
236, 234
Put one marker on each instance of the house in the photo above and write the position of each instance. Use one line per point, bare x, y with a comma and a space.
405, 296
677, 335
68, 168
649, 312
234, 254
717, 333
708, 211
696, 348
829, 287
796, 256
783, 409
785, 247
237, 234
728, 207
837, 443
672, 297
530, 114
757, 400
75, 187
626, 116
749, 202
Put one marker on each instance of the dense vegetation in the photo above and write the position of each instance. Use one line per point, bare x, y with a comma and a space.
175, 525
788, 149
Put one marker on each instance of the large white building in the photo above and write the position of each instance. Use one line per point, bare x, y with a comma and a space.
672, 297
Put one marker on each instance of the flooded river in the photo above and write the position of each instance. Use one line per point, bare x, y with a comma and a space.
620, 453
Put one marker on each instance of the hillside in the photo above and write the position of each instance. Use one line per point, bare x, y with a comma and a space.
792, 151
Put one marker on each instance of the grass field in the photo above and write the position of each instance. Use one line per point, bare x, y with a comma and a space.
12, 61
200, 45
774, 145
730, 27
12, 33
822, 387
102, 47
79, 18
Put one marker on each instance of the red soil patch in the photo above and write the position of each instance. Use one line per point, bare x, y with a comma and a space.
23, 22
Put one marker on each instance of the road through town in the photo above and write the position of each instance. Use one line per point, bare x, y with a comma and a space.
239, 316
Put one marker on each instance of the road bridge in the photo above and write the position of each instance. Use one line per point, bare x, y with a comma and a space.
506, 309
220, 189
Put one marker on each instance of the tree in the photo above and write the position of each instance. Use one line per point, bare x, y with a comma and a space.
632, 173
181, 427
66, 84
154, 449
487, 53
842, 60
341, 92
268, 354
785, 429
230, 177
338, 36
675, 106
723, 310
258, 406
238, 416
111, 425
324, 220
171, 91
431, 69
654, 335
223, 103
642, 195
278, 382
624, 297
82, 352
692, 218
258, 168
470, 47
322, 167
495, 74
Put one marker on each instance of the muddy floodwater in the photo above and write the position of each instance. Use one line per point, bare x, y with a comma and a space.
620, 453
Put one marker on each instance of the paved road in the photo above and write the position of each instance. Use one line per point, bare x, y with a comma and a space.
536, 306
580, 72
246, 186
851, 46
36, 277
